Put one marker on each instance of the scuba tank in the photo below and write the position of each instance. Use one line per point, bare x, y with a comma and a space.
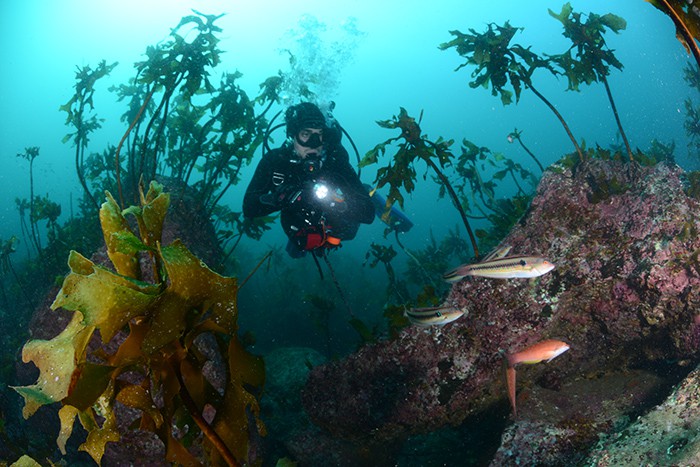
394, 218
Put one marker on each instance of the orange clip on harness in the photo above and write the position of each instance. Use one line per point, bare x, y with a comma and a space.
321, 239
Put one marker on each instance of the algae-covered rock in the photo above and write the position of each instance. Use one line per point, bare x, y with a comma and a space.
558, 426
667, 435
623, 295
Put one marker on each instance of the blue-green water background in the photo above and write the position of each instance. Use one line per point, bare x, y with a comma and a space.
374, 57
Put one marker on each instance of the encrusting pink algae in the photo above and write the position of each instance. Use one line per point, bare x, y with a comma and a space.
624, 295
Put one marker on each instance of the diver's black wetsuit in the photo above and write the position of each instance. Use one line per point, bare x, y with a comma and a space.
281, 169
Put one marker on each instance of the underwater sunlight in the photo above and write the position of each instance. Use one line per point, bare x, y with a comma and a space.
317, 233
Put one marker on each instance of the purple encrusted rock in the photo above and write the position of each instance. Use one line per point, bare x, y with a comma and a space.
625, 292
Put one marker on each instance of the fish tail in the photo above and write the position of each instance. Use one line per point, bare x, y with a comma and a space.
510, 383
509, 360
457, 273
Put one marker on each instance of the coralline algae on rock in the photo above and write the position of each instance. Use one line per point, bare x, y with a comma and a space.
625, 291
667, 435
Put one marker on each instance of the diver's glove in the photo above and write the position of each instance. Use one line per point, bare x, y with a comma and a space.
282, 197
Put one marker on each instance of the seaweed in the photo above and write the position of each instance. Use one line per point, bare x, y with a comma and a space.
158, 367
231, 227
692, 111
692, 185
692, 123
30, 154
384, 255
402, 173
604, 188
81, 118
502, 213
515, 136
435, 258
509, 212
687, 21
7, 248
429, 262
498, 63
185, 130
589, 59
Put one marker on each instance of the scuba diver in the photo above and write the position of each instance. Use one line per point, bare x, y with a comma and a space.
310, 180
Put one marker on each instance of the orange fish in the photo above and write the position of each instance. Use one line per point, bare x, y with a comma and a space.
545, 350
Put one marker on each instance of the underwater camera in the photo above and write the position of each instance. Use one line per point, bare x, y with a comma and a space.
328, 195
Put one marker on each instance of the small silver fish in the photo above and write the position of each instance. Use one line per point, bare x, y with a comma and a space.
433, 316
503, 268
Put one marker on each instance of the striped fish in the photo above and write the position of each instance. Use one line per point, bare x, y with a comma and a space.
497, 253
433, 316
502, 268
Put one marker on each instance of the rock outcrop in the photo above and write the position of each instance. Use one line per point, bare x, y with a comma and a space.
624, 295
667, 435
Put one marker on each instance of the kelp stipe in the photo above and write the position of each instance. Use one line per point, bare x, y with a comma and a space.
685, 19
589, 59
401, 173
158, 368
81, 116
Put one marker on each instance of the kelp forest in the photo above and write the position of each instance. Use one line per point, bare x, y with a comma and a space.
125, 304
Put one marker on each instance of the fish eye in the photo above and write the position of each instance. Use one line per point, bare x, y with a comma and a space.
523, 262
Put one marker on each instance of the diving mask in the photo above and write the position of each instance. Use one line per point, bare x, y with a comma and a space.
310, 138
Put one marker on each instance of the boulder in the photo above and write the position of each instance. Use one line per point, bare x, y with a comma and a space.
667, 435
624, 295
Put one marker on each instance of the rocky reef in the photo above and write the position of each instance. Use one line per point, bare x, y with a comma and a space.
667, 435
624, 295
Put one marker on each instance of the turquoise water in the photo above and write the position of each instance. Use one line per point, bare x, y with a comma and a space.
388, 59
371, 59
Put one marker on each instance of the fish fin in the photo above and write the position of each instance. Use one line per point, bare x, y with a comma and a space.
490, 256
504, 251
553, 357
497, 253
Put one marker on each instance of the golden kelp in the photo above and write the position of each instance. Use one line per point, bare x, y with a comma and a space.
163, 318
